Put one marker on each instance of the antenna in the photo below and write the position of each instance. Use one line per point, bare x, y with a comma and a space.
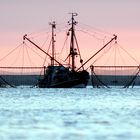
72, 21
73, 14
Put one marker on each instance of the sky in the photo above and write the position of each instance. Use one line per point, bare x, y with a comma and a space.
120, 17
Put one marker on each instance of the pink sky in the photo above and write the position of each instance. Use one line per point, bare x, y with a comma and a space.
116, 17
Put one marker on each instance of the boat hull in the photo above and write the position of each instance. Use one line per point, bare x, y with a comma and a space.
61, 77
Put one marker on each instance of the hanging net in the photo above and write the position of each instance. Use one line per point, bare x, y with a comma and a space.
20, 67
105, 76
16, 76
118, 68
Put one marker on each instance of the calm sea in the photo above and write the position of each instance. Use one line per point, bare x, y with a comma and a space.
69, 114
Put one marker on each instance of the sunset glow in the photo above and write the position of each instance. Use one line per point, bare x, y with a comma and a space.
125, 24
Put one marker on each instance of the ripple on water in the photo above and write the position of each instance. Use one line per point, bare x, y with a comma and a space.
31, 113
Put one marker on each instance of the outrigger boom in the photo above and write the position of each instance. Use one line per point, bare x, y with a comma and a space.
114, 38
52, 58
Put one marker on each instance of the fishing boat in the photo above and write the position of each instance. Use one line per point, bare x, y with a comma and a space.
57, 75
66, 72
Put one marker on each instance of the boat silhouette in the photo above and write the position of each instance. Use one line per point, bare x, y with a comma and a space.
57, 75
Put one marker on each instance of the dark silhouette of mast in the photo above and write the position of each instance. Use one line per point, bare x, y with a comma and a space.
73, 52
53, 24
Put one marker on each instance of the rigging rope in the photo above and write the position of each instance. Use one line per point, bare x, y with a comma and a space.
64, 44
129, 54
10, 52
45, 59
111, 53
133, 79
36, 34
98, 80
29, 58
6, 82
101, 55
35, 52
99, 30
22, 56
17, 57
91, 35
44, 42
121, 56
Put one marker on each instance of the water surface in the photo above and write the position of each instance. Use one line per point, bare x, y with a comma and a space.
69, 114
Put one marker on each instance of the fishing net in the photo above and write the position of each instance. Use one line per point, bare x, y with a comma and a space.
105, 76
15, 76
117, 68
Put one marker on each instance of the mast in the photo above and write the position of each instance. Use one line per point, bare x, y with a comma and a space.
73, 52
53, 24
